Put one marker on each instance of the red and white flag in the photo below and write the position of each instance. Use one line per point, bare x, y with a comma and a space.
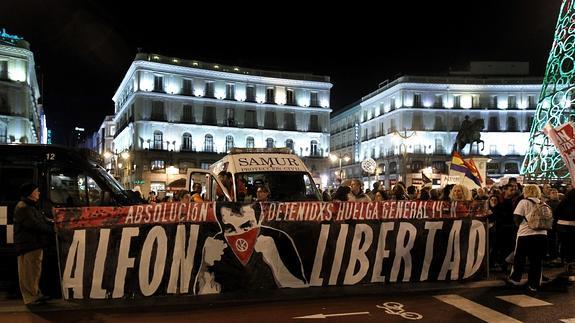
563, 137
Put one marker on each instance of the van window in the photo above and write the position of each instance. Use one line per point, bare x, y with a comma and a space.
70, 188
217, 192
95, 193
299, 186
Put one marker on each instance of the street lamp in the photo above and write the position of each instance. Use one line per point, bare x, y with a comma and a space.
125, 156
110, 162
116, 167
402, 137
339, 158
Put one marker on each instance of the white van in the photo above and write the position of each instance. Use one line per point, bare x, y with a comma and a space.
283, 172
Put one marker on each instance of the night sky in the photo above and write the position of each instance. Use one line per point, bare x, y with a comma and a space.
84, 48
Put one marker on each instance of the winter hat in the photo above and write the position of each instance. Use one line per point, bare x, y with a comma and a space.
27, 189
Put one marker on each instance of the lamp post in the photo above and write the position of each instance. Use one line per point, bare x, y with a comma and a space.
339, 158
403, 137
403, 154
108, 160
112, 165
125, 156
116, 168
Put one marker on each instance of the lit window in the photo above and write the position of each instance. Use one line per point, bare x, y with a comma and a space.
158, 140
209, 143
187, 141
157, 165
313, 148
289, 144
249, 142
229, 143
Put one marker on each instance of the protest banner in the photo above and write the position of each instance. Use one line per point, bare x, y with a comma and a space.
203, 248
563, 137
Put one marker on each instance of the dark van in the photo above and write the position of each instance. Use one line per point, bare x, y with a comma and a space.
66, 178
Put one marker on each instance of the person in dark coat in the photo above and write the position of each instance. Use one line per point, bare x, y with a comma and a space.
505, 227
553, 201
341, 193
30, 231
565, 215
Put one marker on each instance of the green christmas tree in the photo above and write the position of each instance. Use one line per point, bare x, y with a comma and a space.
542, 161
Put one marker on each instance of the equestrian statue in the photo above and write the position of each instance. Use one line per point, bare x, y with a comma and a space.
469, 133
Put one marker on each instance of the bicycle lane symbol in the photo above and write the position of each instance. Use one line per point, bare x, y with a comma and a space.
395, 308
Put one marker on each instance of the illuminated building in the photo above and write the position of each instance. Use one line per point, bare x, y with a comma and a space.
409, 125
172, 114
22, 119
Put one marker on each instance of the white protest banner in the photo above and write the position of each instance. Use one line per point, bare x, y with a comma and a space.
563, 137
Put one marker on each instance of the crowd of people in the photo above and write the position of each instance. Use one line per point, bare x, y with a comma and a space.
352, 191
512, 241
185, 196
257, 192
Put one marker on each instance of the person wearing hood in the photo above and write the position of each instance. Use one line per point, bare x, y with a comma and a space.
565, 216
30, 231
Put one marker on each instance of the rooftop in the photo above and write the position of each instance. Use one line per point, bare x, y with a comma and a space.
227, 68
13, 40
467, 79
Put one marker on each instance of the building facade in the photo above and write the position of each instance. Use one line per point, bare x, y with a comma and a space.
103, 139
408, 126
22, 119
173, 114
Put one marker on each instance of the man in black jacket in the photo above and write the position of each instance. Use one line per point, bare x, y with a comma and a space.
30, 228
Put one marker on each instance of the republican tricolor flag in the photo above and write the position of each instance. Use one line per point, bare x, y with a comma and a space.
465, 169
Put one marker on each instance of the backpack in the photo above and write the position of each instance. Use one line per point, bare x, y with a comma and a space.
540, 217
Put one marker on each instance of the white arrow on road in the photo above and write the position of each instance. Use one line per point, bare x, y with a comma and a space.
323, 316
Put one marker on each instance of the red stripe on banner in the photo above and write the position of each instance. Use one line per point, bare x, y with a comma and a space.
92, 217
375, 211
160, 213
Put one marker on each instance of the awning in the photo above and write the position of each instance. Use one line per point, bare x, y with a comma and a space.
179, 183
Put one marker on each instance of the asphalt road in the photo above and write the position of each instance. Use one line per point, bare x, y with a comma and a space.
555, 303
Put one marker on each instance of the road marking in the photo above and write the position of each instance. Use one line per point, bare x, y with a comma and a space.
395, 308
477, 310
323, 316
523, 300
